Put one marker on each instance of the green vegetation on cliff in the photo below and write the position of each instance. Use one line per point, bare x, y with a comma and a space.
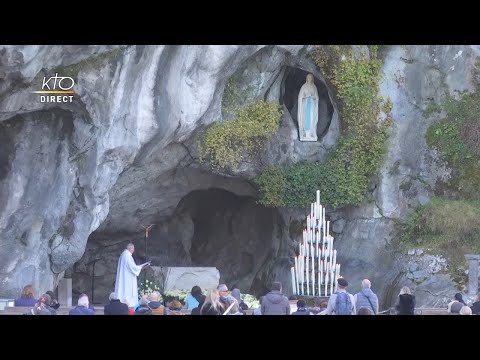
344, 176
451, 225
457, 138
92, 62
225, 144
448, 227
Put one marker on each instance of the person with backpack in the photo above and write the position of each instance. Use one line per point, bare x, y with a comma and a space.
366, 298
341, 302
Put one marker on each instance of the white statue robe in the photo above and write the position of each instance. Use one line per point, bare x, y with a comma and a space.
126, 283
308, 112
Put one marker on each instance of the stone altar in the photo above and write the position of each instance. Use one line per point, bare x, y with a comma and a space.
171, 278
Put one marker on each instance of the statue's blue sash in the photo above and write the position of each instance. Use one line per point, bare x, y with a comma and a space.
308, 113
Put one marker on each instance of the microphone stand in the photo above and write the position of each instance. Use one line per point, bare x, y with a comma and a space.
93, 262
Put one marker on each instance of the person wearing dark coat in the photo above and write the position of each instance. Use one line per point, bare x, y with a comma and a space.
201, 299
459, 297
456, 304
212, 304
406, 302
115, 307
301, 308
241, 305
143, 309
476, 306
54, 304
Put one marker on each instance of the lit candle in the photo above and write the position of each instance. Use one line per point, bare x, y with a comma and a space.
296, 276
313, 281
318, 271
323, 217
326, 283
331, 282
300, 264
313, 257
320, 282
318, 197
292, 270
334, 262
328, 227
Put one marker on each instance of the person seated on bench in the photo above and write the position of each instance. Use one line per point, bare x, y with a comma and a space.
54, 304
27, 298
82, 307
42, 307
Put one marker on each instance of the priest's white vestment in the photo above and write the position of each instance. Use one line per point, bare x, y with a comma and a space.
126, 284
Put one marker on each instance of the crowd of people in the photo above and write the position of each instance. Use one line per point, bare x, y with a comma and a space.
220, 301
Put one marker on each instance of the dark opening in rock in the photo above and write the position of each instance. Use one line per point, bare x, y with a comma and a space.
8, 131
230, 232
208, 228
293, 80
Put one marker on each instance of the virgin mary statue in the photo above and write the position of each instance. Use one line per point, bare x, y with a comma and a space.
308, 110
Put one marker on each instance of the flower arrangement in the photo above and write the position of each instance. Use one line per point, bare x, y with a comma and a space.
181, 295
250, 300
147, 287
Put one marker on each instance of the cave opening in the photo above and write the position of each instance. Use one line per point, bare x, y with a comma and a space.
7, 148
230, 232
294, 79
210, 227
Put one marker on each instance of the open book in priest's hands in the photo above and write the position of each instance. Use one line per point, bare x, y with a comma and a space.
144, 265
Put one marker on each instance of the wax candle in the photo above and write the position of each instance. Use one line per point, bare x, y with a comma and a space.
326, 283
313, 282
296, 276
294, 291
307, 277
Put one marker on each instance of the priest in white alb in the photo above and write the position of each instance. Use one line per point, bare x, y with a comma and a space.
127, 271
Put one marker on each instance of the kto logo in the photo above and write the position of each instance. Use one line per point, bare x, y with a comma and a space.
60, 85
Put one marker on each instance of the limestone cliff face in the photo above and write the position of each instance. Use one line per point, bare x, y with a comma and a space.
78, 179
